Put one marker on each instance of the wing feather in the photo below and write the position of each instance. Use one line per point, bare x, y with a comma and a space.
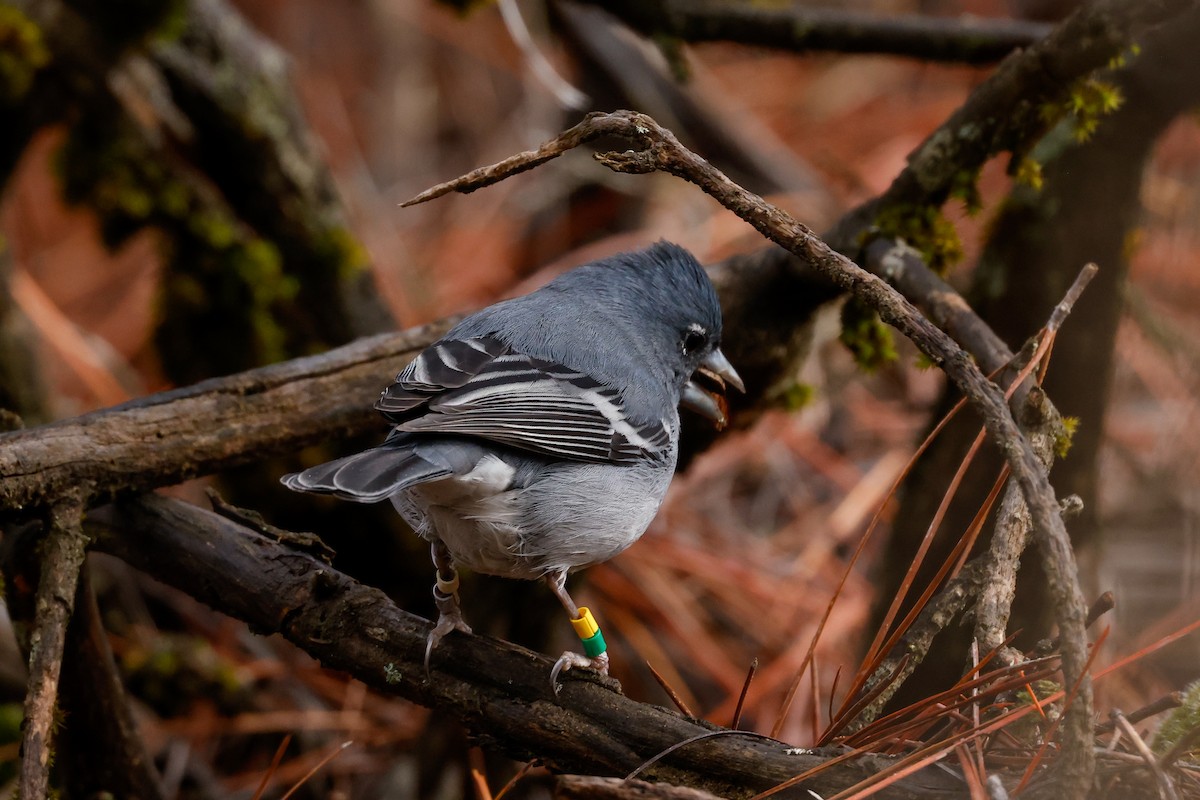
479, 387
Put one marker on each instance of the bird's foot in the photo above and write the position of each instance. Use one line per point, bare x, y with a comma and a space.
571, 660
450, 618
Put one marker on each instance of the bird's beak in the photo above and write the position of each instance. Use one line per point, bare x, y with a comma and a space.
709, 400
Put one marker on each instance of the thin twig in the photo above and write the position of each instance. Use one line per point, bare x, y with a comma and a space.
479, 774
274, 765
737, 712
525, 769
1166, 789
332, 754
700, 737
1164, 703
671, 693
1061, 311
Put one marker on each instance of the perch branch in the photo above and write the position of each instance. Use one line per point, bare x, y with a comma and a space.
590, 787
656, 149
498, 690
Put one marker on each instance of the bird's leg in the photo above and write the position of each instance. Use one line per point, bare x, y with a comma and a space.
585, 627
445, 597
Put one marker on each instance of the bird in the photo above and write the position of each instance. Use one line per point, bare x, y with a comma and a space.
539, 436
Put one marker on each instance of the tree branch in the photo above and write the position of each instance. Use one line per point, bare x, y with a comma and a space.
205, 130
248, 134
1005, 110
225, 422
971, 40
99, 748
63, 556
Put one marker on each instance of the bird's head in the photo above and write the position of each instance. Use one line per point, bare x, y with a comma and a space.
682, 305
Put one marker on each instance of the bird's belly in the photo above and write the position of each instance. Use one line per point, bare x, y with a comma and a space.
536, 529
482, 538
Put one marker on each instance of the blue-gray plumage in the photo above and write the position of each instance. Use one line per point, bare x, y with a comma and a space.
540, 434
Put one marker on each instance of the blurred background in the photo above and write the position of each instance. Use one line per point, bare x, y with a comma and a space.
117, 298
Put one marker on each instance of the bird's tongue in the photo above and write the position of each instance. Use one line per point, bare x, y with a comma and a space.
705, 394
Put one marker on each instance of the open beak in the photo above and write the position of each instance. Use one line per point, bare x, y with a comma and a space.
707, 397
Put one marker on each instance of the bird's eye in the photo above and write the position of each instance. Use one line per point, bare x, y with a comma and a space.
693, 340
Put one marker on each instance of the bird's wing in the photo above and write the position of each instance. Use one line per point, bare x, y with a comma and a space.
481, 387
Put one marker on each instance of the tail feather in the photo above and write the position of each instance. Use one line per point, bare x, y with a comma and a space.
367, 477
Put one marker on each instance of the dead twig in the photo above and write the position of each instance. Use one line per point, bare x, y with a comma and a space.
1014, 527
737, 712
671, 693
1166, 788
1164, 703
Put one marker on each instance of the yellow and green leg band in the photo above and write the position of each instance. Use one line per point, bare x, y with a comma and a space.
589, 633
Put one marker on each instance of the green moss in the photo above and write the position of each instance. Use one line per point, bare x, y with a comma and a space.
184, 291
964, 186
672, 49
1029, 173
1179, 723
259, 270
11, 717
214, 227
102, 166
223, 282
1088, 102
1062, 442
339, 249
797, 395
866, 336
1031, 728
171, 672
926, 229
22, 53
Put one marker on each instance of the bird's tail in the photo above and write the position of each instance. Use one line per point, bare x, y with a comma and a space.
369, 476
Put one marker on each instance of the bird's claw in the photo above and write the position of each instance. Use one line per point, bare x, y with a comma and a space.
450, 618
572, 660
